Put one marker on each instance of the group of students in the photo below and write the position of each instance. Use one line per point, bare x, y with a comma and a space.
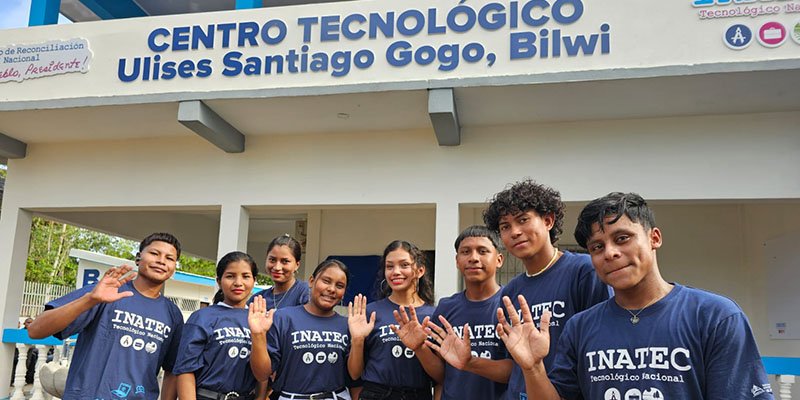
600, 326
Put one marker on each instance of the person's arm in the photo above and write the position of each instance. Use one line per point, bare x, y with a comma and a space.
456, 351
169, 387
262, 391
187, 386
413, 335
106, 290
528, 346
732, 344
260, 320
360, 327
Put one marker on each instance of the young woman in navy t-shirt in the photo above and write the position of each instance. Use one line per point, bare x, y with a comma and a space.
381, 356
283, 261
307, 345
214, 354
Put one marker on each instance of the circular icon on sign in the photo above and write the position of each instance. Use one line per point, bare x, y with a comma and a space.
409, 353
151, 347
332, 358
308, 358
244, 352
612, 394
397, 351
633, 394
233, 352
795, 33
738, 36
138, 344
652, 394
772, 34
321, 357
126, 341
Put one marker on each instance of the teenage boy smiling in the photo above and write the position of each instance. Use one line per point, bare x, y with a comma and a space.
529, 218
467, 341
652, 340
128, 330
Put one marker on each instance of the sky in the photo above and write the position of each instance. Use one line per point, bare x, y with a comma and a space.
14, 14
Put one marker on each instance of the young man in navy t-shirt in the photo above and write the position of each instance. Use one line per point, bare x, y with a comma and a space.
652, 340
529, 217
467, 340
127, 329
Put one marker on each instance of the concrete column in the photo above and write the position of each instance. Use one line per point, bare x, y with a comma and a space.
313, 231
234, 223
15, 231
447, 277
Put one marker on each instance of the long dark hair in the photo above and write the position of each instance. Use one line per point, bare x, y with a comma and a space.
228, 259
288, 241
424, 287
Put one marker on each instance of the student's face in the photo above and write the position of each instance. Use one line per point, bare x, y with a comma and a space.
28, 322
526, 234
281, 264
478, 259
624, 253
236, 283
401, 271
327, 288
157, 262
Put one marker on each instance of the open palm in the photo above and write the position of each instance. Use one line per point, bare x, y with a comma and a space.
107, 289
259, 318
526, 344
357, 322
409, 330
456, 351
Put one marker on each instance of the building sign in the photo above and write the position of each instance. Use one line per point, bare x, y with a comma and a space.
533, 29
28, 61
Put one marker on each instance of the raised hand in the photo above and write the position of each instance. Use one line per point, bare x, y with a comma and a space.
526, 344
409, 331
258, 317
456, 351
107, 289
360, 327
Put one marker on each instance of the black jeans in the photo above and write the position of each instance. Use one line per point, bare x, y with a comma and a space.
376, 391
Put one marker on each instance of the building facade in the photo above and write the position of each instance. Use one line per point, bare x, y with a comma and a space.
350, 124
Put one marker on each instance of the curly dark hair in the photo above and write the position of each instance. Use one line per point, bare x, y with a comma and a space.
526, 196
425, 285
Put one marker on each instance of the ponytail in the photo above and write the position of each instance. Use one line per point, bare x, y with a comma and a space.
218, 297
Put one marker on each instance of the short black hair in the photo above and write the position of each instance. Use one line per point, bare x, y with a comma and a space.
615, 204
480, 231
161, 237
525, 196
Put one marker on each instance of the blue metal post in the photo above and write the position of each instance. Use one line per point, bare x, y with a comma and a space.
245, 4
44, 12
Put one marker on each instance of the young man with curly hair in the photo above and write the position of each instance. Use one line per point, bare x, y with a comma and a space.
529, 217
652, 340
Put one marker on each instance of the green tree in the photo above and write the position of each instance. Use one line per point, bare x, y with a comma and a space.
51, 242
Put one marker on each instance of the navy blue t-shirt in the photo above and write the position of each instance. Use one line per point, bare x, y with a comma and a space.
691, 344
567, 288
297, 295
308, 353
121, 346
386, 360
215, 346
482, 319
